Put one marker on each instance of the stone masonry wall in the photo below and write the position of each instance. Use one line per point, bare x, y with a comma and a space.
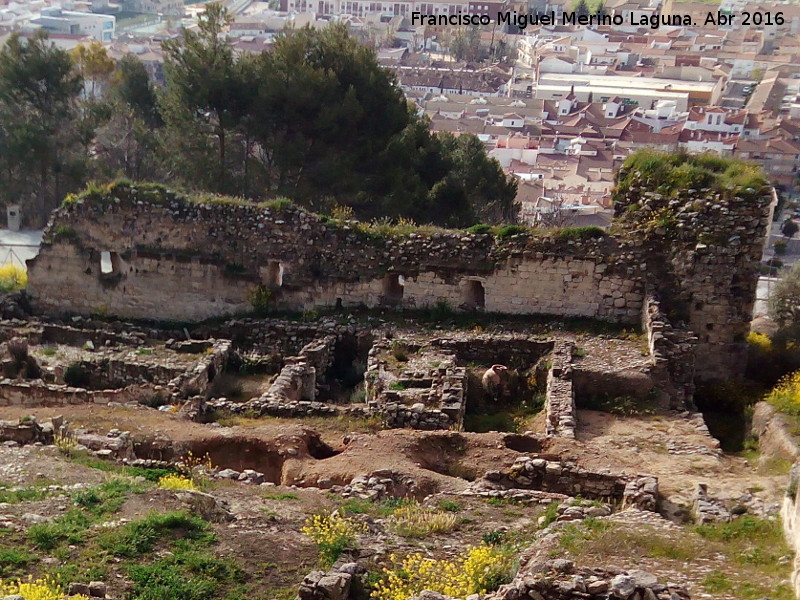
703, 250
560, 394
174, 259
16, 393
295, 388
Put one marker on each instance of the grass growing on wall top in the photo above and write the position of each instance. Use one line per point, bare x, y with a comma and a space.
670, 174
377, 229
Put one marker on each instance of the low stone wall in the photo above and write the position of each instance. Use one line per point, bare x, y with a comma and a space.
272, 336
37, 333
197, 381
16, 393
640, 491
426, 398
672, 352
29, 431
417, 416
515, 351
560, 395
294, 390
560, 579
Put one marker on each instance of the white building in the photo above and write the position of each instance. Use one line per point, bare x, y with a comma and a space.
56, 20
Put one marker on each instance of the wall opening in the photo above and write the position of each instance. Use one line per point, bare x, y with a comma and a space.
274, 276
109, 263
474, 295
393, 288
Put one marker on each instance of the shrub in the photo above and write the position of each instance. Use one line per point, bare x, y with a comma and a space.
65, 443
35, 589
399, 351
139, 537
480, 229
509, 230
281, 496
64, 233
25, 494
359, 395
785, 396
70, 527
415, 521
76, 375
185, 575
332, 534
449, 506
107, 498
493, 537
343, 212
780, 247
12, 278
747, 529
441, 311
14, 558
477, 571
176, 482
759, 341
550, 514
580, 233
278, 204
260, 298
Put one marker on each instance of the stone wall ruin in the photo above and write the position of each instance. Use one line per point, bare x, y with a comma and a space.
180, 259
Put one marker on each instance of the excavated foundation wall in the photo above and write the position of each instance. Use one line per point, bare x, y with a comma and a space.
148, 253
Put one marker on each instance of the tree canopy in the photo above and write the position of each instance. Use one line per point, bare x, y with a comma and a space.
315, 119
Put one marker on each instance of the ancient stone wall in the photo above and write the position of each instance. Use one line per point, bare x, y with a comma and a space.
148, 253
172, 259
554, 476
198, 380
429, 396
16, 393
672, 352
295, 388
560, 395
703, 250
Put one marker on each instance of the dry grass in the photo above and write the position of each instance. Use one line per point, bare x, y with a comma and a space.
415, 521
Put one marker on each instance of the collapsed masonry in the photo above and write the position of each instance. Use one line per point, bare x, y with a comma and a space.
146, 252
111, 367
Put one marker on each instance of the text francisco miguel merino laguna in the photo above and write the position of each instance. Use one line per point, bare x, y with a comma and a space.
522, 20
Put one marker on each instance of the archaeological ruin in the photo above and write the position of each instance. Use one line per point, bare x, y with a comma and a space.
149, 253
250, 330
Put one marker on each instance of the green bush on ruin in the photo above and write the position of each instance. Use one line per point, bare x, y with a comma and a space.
479, 229
671, 174
507, 231
580, 233
261, 299
76, 375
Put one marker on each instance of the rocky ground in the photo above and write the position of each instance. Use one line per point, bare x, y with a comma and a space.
82, 519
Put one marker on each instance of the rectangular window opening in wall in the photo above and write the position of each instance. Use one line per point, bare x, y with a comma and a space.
474, 295
273, 277
109, 263
393, 288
